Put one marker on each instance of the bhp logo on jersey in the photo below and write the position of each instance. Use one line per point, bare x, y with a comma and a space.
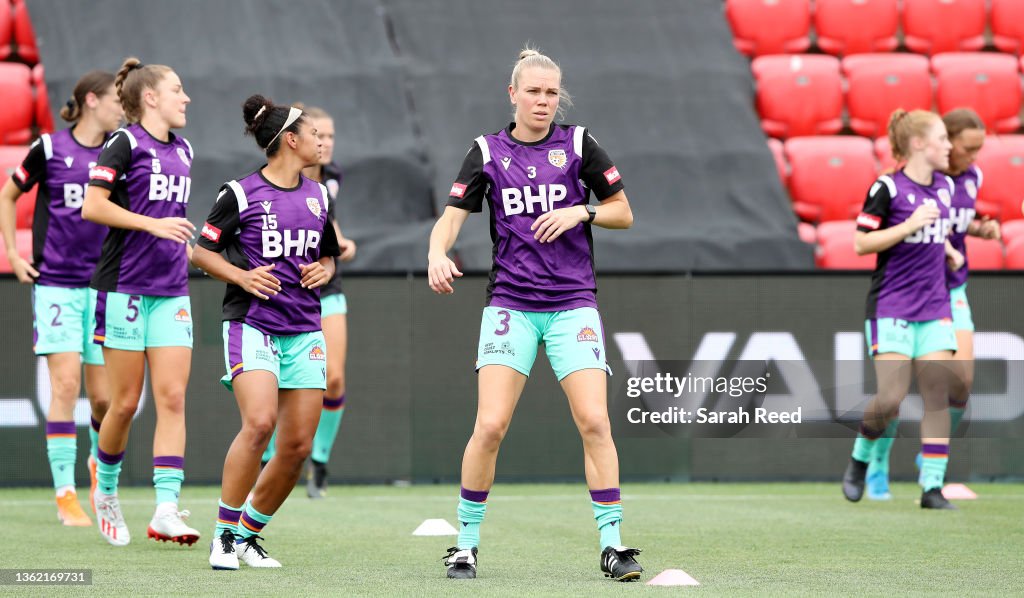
102, 173
933, 233
211, 232
74, 195
290, 243
169, 187
530, 200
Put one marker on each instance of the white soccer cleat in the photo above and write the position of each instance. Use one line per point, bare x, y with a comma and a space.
110, 521
253, 555
223, 556
167, 525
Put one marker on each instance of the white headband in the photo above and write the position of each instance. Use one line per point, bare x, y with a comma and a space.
293, 115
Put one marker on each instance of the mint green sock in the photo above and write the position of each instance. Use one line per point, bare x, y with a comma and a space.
326, 432
955, 415
61, 450
269, 452
471, 515
108, 470
168, 474
883, 447
252, 522
607, 506
933, 466
863, 447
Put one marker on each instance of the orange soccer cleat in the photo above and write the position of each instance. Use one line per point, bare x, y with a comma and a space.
70, 512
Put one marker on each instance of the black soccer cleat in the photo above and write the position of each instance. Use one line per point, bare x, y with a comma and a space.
853, 480
933, 499
619, 563
461, 563
316, 480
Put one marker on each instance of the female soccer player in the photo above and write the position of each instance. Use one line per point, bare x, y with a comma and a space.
66, 250
905, 221
537, 178
334, 308
269, 237
139, 188
967, 135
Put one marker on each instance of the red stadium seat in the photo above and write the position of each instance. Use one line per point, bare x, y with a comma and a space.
1002, 188
44, 117
856, 26
877, 84
6, 31
984, 254
1015, 255
836, 252
1008, 25
1012, 231
16, 99
23, 241
799, 95
987, 82
883, 153
769, 26
24, 35
778, 153
933, 26
10, 158
807, 233
830, 176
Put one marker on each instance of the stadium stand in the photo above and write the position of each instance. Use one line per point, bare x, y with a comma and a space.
10, 158
1002, 165
1008, 25
807, 232
800, 94
779, 154
769, 26
836, 251
984, 254
6, 31
830, 175
877, 84
1015, 255
23, 242
44, 116
987, 82
933, 26
24, 34
883, 153
847, 27
1012, 230
16, 99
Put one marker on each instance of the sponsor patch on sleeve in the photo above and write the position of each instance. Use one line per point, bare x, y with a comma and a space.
612, 175
102, 173
869, 221
211, 232
458, 190
21, 174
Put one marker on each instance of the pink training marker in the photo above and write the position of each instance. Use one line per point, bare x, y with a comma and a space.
958, 492
673, 577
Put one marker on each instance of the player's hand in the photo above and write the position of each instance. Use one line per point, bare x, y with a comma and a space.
923, 216
348, 250
260, 282
954, 259
313, 275
989, 229
441, 272
550, 225
23, 269
175, 229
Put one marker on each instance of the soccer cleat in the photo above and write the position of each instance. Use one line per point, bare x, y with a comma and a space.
91, 463
70, 512
316, 480
252, 554
461, 563
878, 485
853, 480
619, 563
167, 525
110, 520
222, 553
933, 499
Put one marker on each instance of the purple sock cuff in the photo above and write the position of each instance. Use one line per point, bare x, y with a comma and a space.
94, 423
935, 450
230, 515
169, 461
108, 458
868, 433
60, 428
608, 495
474, 495
953, 403
334, 404
250, 523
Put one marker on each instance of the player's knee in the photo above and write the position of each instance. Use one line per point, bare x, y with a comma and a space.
64, 387
295, 450
100, 405
594, 426
171, 401
123, 409
259, 429
335, 385
490, 432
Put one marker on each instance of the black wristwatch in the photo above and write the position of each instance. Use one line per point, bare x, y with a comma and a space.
592, 210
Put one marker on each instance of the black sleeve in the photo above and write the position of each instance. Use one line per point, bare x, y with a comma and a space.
219, 230
876, 208
32, 169
470, 186
598, 172
329, 242
114, 159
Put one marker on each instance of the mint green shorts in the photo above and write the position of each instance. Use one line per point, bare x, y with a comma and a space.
63, 321
962, 319
333, 305
913, 339
138, 322
573, 339
298, 361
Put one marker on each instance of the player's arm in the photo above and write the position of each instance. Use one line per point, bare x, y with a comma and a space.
22, 179
466, 196
954, 259
98, 208
871, 237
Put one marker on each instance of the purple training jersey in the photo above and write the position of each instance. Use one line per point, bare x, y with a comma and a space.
961, 214
149, 177
909, 282
521, 181
256, 223
65, 248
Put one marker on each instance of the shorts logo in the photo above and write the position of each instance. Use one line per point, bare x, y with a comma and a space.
869, 221
211, 232
316, 354
21, 174
505, 348
612, 175
184, 156
182, 315
586, 334
556, 158
102, 173
946, 322
458, 190
314, 206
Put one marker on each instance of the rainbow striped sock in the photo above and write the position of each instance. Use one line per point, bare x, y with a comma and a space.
607, 505
168, 474
472, 507
933, 466
227, 519
61, 450
251, 523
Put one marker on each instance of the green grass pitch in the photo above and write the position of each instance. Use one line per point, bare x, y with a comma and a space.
736, 539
